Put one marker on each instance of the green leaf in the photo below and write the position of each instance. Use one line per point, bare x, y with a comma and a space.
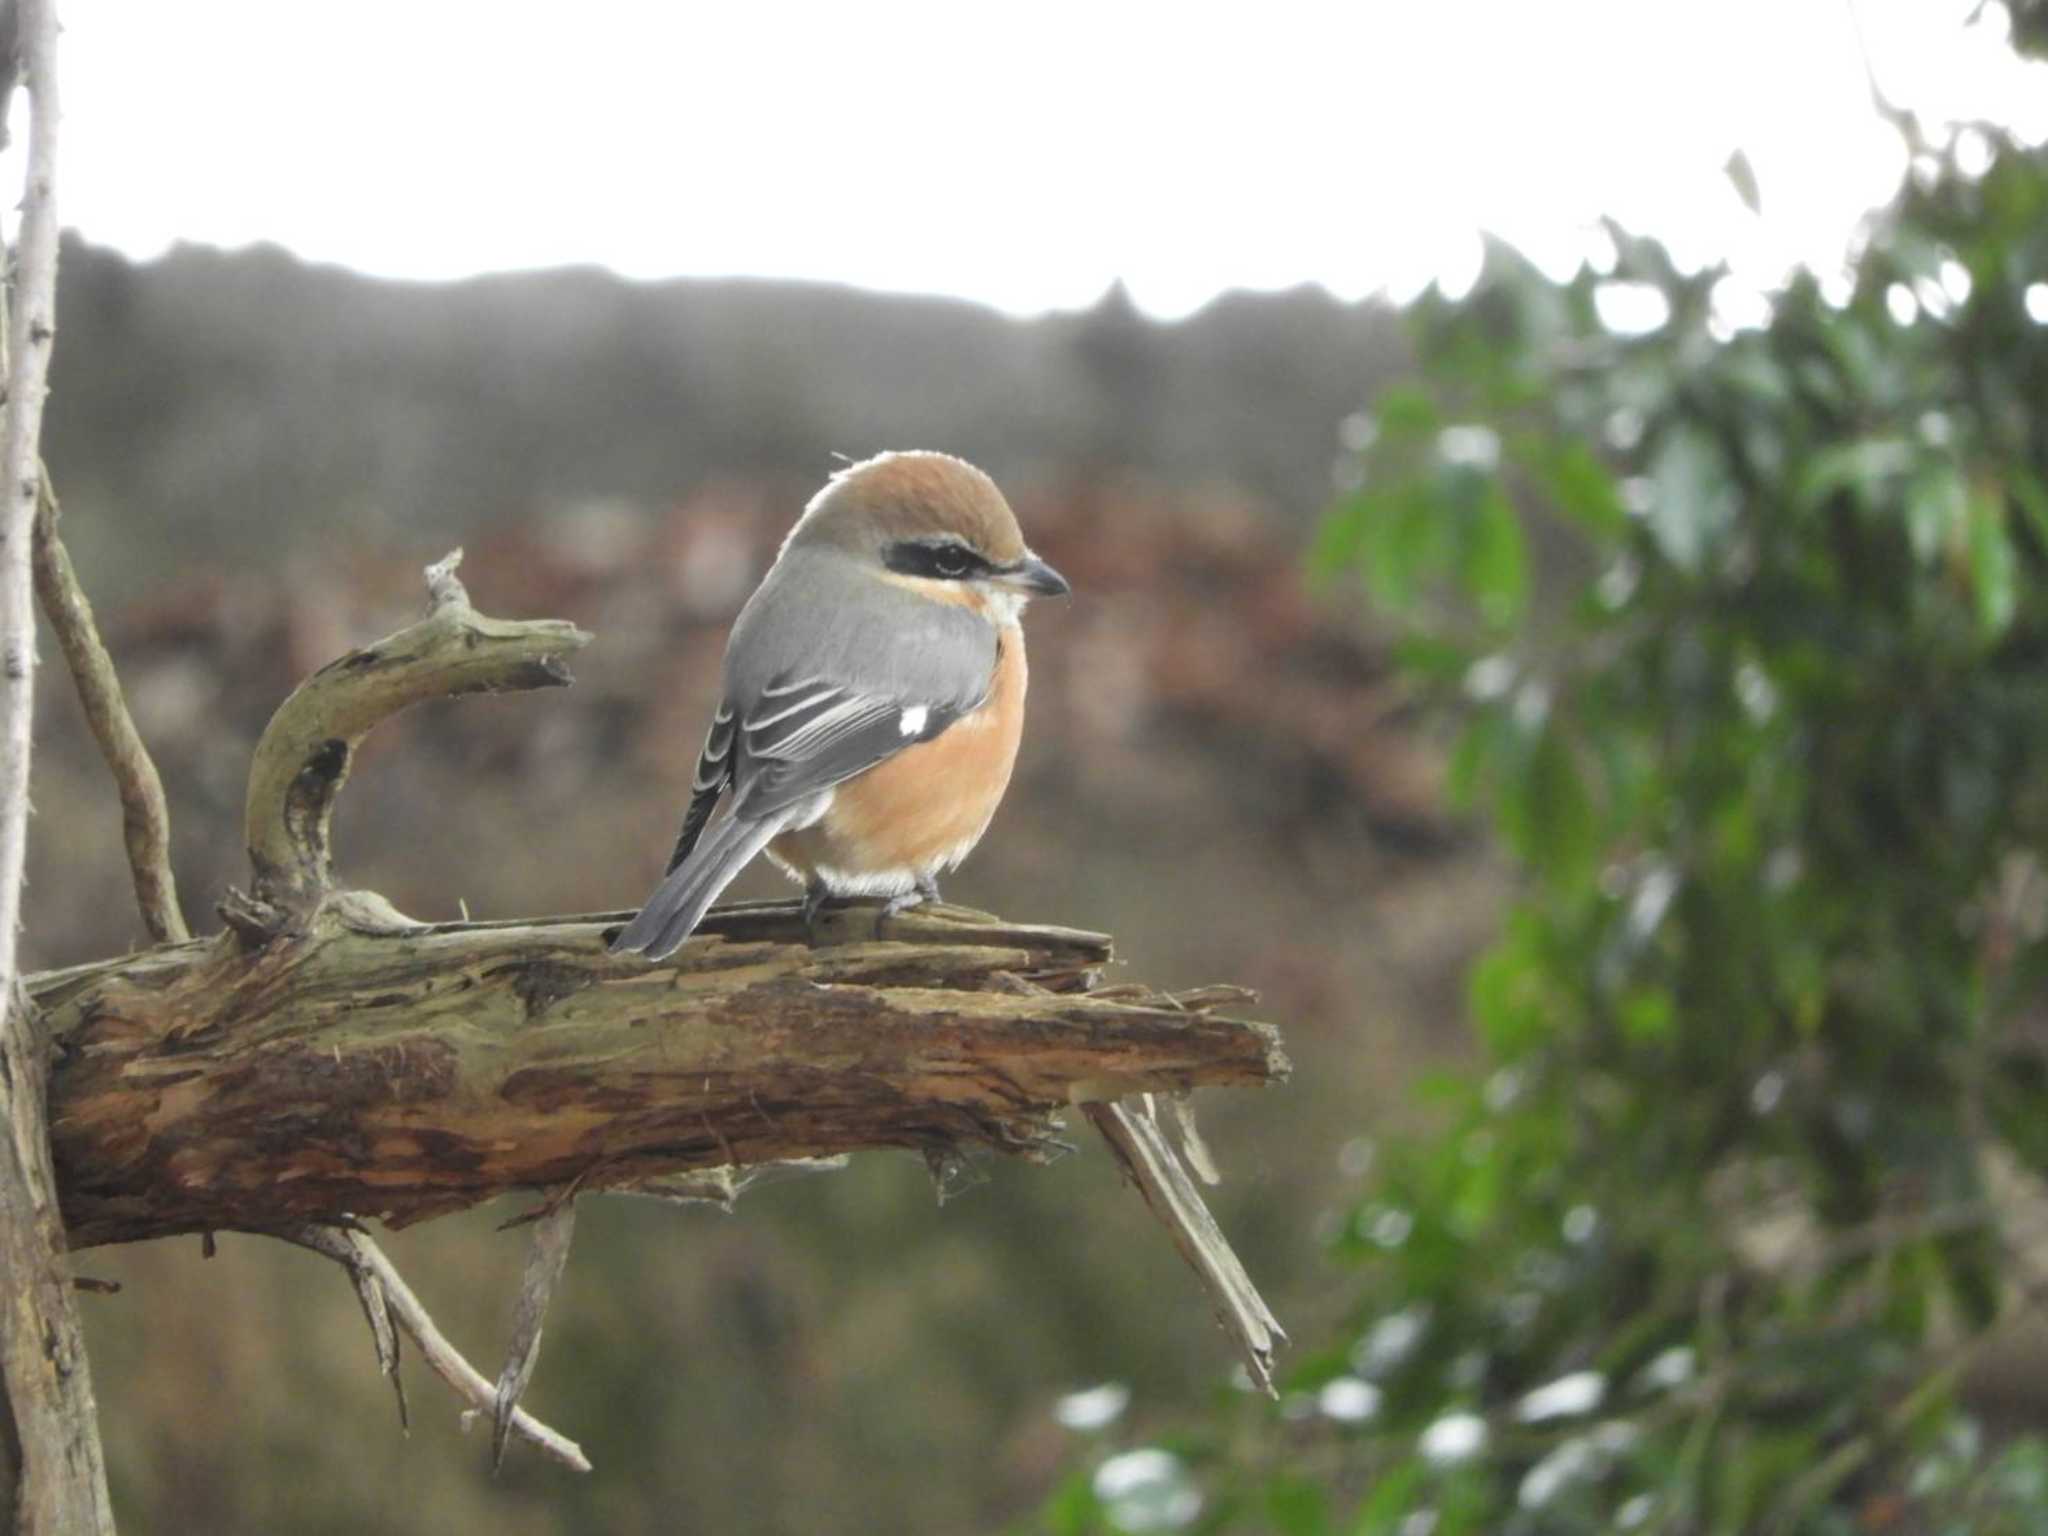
1936, 505
1477, 758
1582, 487
1392, 1499
1432, 659
1994, 574
1504, 988
2032, 496
1341, 536
1496, 559
1404, 413
1297, 1507
1407, 542
1073, 1510
1548, 814
1648, 1014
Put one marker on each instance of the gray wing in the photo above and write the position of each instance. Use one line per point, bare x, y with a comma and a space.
829, 672
817, 734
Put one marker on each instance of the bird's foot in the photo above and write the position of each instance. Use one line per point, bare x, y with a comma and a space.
926, 890
815, 897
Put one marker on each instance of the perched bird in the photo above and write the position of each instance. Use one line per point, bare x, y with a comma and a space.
873, 697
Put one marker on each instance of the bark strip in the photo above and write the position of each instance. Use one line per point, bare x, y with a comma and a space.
547, 1254
1148, 1161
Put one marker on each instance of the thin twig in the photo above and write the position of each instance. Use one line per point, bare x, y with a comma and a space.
145, 819
31, 326
335, 1243
354, 1251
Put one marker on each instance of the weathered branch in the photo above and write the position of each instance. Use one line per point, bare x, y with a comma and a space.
145, 819
410, 1074
304, 756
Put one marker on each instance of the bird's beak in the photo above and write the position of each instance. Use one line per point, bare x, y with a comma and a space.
1034, 576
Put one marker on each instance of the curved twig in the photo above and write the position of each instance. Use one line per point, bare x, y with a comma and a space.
145, 819
304, 756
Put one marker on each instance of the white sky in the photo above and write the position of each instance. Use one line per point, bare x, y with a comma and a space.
1025, 155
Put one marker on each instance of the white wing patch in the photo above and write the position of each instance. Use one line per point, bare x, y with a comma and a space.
912, 721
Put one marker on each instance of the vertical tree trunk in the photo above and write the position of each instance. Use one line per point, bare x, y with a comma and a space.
55, 1482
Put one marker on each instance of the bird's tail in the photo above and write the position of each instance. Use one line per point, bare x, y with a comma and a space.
680, 901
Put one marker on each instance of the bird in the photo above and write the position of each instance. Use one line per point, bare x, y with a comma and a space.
872, 698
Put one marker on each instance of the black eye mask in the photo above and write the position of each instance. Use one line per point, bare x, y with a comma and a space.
939, 559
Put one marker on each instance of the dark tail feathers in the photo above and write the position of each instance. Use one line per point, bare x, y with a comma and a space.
680, 901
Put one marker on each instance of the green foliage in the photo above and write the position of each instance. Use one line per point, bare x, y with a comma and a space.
1711, 1240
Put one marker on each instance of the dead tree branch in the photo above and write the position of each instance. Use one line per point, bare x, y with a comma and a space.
413, 1073
145, 819
52, 1477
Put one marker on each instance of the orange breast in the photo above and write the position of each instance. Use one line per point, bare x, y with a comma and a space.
923, 810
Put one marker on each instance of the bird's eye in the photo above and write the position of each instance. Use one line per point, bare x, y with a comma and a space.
951, 560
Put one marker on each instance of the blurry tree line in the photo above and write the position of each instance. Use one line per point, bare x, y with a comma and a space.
238, 404
1741, 631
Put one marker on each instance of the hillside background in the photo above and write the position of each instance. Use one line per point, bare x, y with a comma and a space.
257, 456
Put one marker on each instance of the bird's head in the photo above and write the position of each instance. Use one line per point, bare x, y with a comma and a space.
934, 524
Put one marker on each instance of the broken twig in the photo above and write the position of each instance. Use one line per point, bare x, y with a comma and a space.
356, 1253
1142, 1150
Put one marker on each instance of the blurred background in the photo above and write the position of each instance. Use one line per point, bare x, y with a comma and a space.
600, 297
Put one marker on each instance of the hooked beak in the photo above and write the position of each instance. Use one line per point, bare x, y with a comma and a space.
1034, 576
